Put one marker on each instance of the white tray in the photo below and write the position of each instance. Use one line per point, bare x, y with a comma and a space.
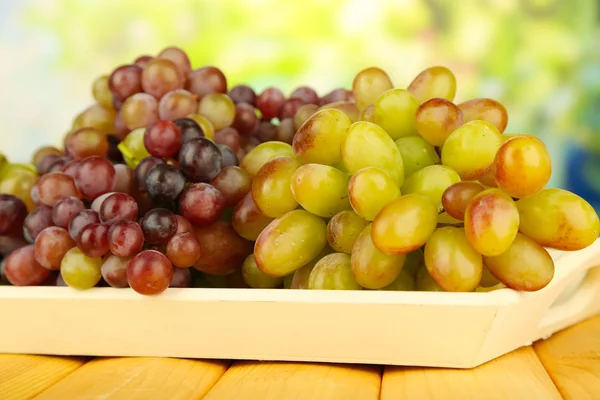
460, 330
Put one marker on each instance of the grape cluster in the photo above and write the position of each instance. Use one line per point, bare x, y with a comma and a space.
378, 187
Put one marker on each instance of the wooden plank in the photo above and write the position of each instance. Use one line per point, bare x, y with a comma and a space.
284, 381
572, 358
138, 379
517, 375
24, 376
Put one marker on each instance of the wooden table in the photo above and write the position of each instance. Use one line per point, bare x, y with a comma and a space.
565, 366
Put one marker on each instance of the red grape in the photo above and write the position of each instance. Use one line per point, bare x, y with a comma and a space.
149, 272
55, 186
206, 80
71, 168
233, 183
163, 139
141, 171
266, 131
118, 207
246, 120
12, 214
59, 164
178, 57
223, 250
124, 178
51, 245
114, 271
45, 163
125, 81
93, 240
86, 142
80, 220
141, 61
121, 130
97, 203
64, 211
285, 131
247, 220
201, 204
177, 104
306, 94
139, 111
36, 221
8, 244
160, 76
335, 96
183, 225
35, 195
269, 102
22, 269
189, 129
95, 176
42, 152
125, 238
289, 108
228, 157
159, 225
164, 183
243, 94
182, 278
183, 250
200, 160
229, 137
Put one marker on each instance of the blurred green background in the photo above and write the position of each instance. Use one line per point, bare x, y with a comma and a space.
540, 58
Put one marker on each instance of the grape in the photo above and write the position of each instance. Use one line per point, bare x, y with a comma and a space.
205, 81
266, 131
436, 119
333, 272
304, 112
431, 181
320, 189
367, 113
182, 278
339, 94
247, 219
125, 238
405, 224
159, 225
416, 153
99, 117
218, 108
19, 183
233, 183
369, 84
522, 166
183, 225
223, 251
434, 82
117, 104
201, 204
487, 279
44, 165
22, 269
425, 283
93, 240
457, 196
183, 250
36, 221
228, 157
306, 94
120, 129
284, 132
139, 111
558, 219
343, 230
200, 160
65, 210
143, 169
246, 120
319, 139
485, 110
289, 242
51, 244
124, 178
524, 266
451, 260
346, 107
271, 189
206, 128
269, 102
491, 222
177, 104
262, 154
372, 268
114, 271
149, 272
42, 153
301, 276
289, 108
394, 111
470, 149
133, 149
178, 57
118, 207
95, 176
125, 81
86, 142
12, 214
163, 139
142, 60
164, 183
367, 145
189, 129
229, 137
101, 91
160, 76
370, 189
80, 220
243, 94
55, 186
405, 282
257, 279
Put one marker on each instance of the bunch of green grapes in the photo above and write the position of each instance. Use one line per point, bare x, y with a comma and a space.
406, 189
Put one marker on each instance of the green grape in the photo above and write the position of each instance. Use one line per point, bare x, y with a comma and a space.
101, 91
436, 81
487, 279
287, 281
416, 153
445, 219
425, 283
321, 189
451, 260
485, 110
289, 242
19, 182
80, 271
262, 154
370, 189
394, 111
414, 261
132, 148
347, 107
431, 181
319, 139
470, 149
436, 119
257, 279
205, 124
301, 275
333, 272
559, 219
367, 145
343, 230
491, 288
457, 196
368, 85
372, 268
366, 114
218, 108
524, 266
271, 190
491, 222
405, 282
303, 114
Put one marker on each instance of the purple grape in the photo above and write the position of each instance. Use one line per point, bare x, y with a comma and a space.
200, 160
159, 225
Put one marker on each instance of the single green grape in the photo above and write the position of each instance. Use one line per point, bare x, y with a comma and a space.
301, 275
431, 181
370, 189
132, 147
321, 189
405, 282
218, 108
271, 189
425, 283
369, 84
343, 230
416, 153
257, 279
80, 271
262, 154
434, 82
394, 111
333, 272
